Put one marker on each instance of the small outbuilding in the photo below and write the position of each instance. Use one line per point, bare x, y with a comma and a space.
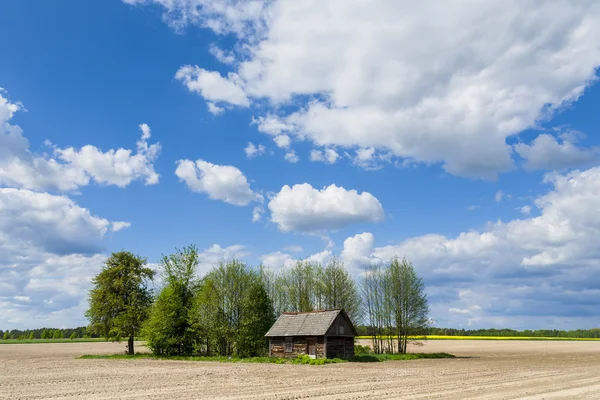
319, 334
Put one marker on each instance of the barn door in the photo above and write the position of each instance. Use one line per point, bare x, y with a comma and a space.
312, 348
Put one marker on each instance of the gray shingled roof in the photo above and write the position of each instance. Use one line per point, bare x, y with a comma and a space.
303, 324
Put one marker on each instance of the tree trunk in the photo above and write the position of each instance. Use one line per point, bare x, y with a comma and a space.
130, 346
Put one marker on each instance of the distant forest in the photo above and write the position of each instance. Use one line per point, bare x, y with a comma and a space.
81, 332
577, 333
47, 333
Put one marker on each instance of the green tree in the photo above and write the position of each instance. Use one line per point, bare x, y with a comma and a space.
45, 334
57, 334
168, 330
406, 293
31, 335
256, 320
120, 299
339, 290
73, 336
6, 336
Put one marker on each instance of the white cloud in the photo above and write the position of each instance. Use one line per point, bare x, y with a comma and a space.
115, 167
49, 250
526, 210
119, 225
306, 209
282, 141
212, 86
257, 213
545, 152
221, 55
363, 79
219, 182
498, 196
277, 260
329, 156
254, 151
458, 311
70, 168
52, 223
545, 265
291, 157
211, 256
214, 109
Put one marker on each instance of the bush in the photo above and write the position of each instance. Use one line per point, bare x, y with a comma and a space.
361, 350
307, 360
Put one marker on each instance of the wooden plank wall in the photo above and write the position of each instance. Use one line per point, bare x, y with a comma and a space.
299, 346
340, 347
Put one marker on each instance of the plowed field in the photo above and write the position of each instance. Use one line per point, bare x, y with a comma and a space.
485, 370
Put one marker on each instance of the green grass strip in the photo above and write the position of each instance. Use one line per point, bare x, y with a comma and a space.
272, 360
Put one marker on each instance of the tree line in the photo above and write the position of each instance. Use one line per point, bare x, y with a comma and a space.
228, 310
47, 333
576, 333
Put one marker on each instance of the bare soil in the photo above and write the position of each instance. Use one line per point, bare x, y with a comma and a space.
485, 370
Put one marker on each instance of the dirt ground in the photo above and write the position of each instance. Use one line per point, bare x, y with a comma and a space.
486, 370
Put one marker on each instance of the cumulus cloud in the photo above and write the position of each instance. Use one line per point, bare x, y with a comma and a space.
119, 225
69, 168
546, 153
498, 271
214, 254
364, 80
50, 248
219, 182
328, 156
212, 86
291, 157
254, 151
51, 223
306, 209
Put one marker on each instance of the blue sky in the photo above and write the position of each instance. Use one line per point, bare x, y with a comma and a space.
465, 139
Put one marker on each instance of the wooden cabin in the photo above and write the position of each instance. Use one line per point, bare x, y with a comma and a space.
319, 334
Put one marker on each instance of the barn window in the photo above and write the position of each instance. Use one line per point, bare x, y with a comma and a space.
288, 344
341, 329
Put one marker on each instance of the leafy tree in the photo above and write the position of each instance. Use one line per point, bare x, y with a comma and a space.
45, 334
57, 334
31, 335
339, 290
6, 336
73, 336
408, 301
168, 330
120, 299
256, 320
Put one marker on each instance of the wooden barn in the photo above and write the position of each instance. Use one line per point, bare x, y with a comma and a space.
319, 334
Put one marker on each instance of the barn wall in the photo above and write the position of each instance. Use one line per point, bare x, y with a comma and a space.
338, 324
299, 346
340, 346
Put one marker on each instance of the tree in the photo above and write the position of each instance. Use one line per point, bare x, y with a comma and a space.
339, 290
120, 299
408, 301
73, 336
168, 330
257, 319
395, 304
31, 335
57, 334
45, 334
6, 336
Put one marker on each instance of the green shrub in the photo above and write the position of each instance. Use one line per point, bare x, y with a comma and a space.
307, 360
360, 350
